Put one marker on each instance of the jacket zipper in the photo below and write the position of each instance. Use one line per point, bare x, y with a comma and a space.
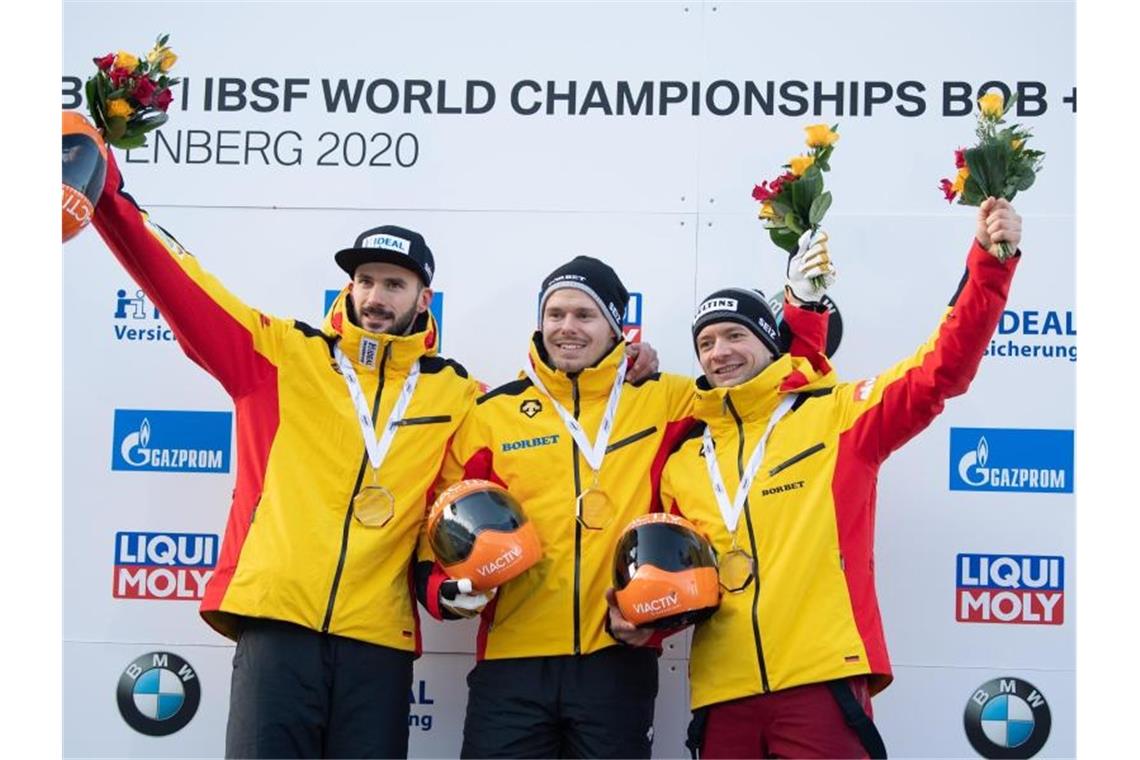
355, 489
631, 439
752, 543
577, 529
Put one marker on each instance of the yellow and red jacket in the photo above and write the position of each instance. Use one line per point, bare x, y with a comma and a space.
292, 550
514, 437
811, 614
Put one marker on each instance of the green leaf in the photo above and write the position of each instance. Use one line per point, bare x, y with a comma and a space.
781, 207
785, 239
162, 40
805, 190
130, 142
116, 128
819, 207
793, 224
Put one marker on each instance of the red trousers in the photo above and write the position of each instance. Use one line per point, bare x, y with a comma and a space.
804, 721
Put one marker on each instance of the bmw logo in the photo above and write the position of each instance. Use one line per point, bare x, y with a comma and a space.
1007, 718
158, 694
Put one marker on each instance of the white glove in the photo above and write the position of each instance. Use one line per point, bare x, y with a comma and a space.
455, 596
810, 271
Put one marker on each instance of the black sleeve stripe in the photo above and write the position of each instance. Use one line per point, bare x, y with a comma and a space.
430, 365
513, 388
802, 397
961, 285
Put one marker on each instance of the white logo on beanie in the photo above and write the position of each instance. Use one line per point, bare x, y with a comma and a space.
388, 243
716, 304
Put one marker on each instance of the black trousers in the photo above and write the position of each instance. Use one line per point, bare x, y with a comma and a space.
596, 705
301, 693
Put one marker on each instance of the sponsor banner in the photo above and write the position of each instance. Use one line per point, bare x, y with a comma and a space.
1036, 335
1010, 588
1007, 718
163, 565
997, 459
171, 441
158, 693
137, 320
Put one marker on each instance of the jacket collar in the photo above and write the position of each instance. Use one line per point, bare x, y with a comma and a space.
594, 382
366, 349
757, 398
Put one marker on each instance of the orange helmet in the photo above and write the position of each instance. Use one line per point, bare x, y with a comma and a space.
479, 532
665, 573
84, 169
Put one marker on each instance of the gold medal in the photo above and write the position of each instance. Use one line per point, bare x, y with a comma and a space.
736, 570
595, 509
374, 506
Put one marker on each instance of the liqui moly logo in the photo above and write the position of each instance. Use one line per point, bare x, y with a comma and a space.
1010, 588
163, 565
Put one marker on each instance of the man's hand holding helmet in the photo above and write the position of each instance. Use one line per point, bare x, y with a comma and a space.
620, 628
459, 598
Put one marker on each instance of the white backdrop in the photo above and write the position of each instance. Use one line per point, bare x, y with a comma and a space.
264, 190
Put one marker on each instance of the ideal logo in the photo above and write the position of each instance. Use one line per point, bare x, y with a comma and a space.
996, 459
419, 719
137, 319
168, 441
1010, 588
436, 308
163, 565
631, 321
1035, 334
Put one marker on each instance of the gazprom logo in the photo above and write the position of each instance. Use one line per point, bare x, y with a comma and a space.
997, 459
169, 441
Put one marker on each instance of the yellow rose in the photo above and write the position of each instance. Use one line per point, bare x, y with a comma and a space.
991, 104
1016, 144
800, 164
960, 181
125, 60
119, 107
766, 210
166, 63
820, 136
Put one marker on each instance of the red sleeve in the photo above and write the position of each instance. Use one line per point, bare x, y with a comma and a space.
214, 328
887, 412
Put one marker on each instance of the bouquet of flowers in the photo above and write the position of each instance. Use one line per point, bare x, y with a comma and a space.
795, 201
999, 166
128, 95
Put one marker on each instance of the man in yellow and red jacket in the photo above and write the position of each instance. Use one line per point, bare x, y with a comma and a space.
788, 663
551, 678
315, 577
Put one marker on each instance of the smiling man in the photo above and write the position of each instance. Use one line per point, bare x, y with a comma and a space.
781, 476
340, 432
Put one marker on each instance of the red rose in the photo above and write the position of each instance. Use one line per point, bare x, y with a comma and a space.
105, 62
761, 192
947, 188
162, 100
144, 91
959, 158
118, 76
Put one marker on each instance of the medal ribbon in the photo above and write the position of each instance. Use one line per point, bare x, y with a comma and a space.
597, 452
731, 512
377, 449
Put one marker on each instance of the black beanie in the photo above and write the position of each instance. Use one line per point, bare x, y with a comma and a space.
594, 278
745, 307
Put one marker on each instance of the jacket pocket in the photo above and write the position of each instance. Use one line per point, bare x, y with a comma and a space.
631, 439
797, 458
424, 420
